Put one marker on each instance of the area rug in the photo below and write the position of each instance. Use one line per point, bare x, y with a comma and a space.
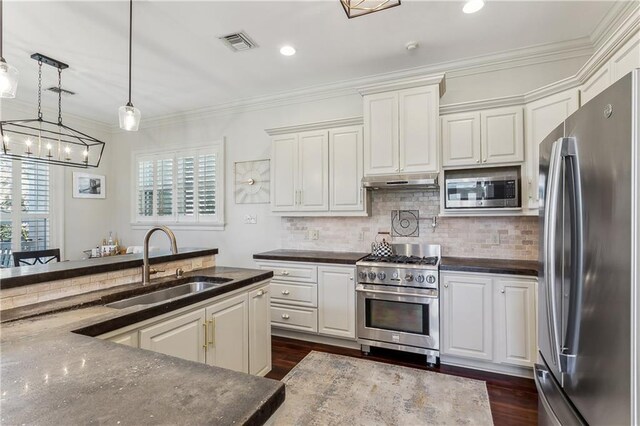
327, 389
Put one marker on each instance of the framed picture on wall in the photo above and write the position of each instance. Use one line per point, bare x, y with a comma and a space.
86, 185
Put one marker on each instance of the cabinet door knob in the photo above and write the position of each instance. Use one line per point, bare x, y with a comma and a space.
446, 286
485, 160
285, 292
477, 161
261, 292
285, 316
502, 291
351, 278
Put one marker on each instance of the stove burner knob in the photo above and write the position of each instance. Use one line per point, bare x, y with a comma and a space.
395, 275
382, 275
372, 275
431, 279
362, 275
420, 278
408, 277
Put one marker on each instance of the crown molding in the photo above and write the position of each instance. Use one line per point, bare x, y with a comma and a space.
627, 29
619, 11
405, 83
476, 65
505, 101
318, 125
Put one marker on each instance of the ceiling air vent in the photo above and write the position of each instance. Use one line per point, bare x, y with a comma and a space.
238, 42
56, 90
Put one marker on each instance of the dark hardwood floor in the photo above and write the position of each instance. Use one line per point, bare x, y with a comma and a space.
514, 400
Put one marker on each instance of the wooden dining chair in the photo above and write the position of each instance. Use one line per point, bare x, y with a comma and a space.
27, 258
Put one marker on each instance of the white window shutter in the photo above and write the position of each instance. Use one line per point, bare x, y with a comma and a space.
145, 189
207, 184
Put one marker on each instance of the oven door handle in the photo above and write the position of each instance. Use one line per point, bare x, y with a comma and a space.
390, 293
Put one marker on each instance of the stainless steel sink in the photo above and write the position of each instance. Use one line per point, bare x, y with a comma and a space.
165, 294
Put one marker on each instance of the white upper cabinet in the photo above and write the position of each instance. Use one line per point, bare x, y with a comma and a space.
418, 129
493, 136
346, 169
461, 139
501, 135
595, 84
625, 59
284, 173
313, 188
401, 126
541, 117
317, 169
381, 151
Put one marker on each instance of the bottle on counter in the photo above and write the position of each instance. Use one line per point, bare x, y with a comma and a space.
110, 241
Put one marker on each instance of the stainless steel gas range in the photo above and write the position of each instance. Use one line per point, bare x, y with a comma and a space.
398, 300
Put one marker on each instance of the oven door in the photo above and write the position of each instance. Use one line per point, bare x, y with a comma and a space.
391, 316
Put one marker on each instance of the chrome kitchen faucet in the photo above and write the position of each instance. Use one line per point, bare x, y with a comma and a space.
146, 270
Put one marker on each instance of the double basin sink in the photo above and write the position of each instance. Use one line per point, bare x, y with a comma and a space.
192, 285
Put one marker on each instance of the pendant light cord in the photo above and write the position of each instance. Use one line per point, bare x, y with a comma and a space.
130, 37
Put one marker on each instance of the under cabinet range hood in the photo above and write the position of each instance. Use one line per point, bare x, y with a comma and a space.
414, 182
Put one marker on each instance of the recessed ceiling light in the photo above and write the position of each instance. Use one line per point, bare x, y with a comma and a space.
287, 50
472, 6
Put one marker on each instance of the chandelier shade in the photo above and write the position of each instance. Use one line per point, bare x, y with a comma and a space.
356, 8
43, 141
8, 74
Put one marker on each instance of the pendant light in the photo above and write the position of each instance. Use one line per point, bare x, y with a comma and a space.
8, 74
128, 114
51, 142
355, 8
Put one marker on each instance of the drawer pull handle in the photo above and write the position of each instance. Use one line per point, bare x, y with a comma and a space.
285, 292
261, 292
284, 273
285, 316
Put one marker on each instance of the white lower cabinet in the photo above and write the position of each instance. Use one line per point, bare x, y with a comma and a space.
229, 331
228, 334
489, 318
467, 316
320, 301
181, 336
336, 301
515, 321
259, 331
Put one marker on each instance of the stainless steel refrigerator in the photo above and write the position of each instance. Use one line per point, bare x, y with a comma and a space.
586, 292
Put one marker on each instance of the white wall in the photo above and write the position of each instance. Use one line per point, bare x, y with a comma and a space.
85, 221
247, 140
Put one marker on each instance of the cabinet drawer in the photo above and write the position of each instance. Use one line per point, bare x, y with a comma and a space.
294, 318
292, 272
294, 293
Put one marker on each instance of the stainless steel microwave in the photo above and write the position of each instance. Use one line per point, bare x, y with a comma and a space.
482, 188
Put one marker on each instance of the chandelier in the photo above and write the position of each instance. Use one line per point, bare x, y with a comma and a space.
44, 141
355, 8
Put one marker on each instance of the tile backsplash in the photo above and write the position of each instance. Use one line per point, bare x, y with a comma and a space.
487, 237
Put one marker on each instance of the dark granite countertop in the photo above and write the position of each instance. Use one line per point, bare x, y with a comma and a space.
26, 275
53, 375
314, 256
490, 266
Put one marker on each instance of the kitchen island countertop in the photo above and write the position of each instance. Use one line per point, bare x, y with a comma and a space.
52, 375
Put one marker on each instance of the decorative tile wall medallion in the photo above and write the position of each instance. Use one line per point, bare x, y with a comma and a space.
404, 223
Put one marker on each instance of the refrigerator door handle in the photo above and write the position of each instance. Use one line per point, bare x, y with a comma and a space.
569, 348
551, 212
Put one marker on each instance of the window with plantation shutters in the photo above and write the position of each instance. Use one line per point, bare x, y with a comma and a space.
180, 187
25, 208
